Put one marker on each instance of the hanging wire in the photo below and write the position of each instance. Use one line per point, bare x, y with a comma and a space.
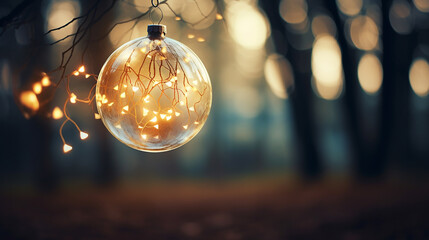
155, 4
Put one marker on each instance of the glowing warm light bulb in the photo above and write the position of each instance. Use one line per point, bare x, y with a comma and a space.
154, 119
73, 98
67, 148
163, 78
37, 88
81, 69
29, 100
57, 113
45, 81
83, 135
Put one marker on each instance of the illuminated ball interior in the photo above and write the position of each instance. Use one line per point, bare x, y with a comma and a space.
154, 94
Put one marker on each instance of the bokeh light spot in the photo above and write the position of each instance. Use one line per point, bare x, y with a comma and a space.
247, 25
364, 33
370, 73
350, 7
279, 75
293, 11
327, 67
60, 13
419, 77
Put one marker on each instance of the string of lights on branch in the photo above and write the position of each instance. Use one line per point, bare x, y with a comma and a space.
153, 93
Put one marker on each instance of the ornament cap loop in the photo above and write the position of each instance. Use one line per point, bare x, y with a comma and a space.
156, 31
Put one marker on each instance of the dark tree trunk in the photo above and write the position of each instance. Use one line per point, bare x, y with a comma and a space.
301, 99
394, 119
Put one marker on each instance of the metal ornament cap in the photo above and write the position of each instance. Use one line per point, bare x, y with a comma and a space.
156, 31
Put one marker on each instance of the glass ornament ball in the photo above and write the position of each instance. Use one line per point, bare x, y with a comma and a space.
153, 93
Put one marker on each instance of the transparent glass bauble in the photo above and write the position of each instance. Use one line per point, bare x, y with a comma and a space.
154, 94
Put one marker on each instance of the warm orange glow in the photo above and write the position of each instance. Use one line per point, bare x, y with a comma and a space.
419, 77
148, 84
370, 73
81, 69
191, 36
73, 98
45, 81
83, 135
29, 100
76, 73
57, 113
67, 148
218, 16
37, 88
364, 33
97, 116
178, 18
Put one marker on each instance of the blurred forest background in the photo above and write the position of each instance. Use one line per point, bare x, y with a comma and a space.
318, 127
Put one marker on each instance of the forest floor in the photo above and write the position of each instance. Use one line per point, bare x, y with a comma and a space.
242, 211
